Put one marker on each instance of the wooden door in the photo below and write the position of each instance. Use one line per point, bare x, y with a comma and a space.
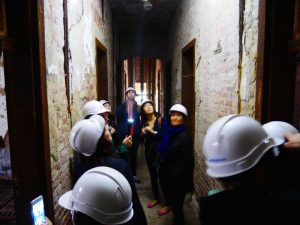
278, 52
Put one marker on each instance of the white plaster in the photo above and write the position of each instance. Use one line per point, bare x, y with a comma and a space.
88, 41
75, 12
52, 69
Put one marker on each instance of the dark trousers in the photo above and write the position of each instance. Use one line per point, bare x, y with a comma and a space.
150, 157
133, 157
174, 191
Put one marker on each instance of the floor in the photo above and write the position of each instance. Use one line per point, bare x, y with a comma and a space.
145, 193
7, 207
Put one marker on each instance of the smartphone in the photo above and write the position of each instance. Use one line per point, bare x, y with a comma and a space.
37, 211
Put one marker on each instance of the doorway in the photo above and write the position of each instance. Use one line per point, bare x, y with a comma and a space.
188, 84
278, 62
23, 48
101, 71
145, 75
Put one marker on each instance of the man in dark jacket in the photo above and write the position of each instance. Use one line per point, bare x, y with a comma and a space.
128, 124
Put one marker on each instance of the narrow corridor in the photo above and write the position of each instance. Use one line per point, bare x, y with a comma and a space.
214, 57
145, 194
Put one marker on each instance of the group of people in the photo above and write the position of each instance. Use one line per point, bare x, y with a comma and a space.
105, 165
256, 165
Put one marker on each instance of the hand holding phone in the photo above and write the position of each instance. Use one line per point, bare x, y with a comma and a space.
37, 211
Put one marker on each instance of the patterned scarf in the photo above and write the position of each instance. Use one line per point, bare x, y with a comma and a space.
168, 132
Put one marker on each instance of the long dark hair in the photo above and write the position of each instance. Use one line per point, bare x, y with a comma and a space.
143, 115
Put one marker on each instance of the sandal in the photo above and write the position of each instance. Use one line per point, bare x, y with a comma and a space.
152, 203
164, 210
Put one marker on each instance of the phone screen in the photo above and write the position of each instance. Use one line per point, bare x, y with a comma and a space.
37, 211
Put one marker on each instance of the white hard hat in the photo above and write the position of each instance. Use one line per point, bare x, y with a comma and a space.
103, 102
146, 101
102, 193
277, 130
179, 108
234, 144
93, 107
85, 134
129, 89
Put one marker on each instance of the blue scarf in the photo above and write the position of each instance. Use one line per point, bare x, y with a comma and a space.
167, 133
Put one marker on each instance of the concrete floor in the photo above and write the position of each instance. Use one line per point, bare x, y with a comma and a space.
145, 194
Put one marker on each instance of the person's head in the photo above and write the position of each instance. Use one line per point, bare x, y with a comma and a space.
177, 114
106, 105
92, 107
147, 108
130, 93
102, 195
85, 135
234, 144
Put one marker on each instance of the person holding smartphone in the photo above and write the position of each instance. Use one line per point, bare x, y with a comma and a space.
128, 124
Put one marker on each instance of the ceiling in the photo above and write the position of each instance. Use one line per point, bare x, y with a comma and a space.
133, 16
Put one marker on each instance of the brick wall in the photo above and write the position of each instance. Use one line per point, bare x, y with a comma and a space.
226, 39
85, 24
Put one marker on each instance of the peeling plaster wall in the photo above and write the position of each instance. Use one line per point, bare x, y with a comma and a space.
85, 24
225, 64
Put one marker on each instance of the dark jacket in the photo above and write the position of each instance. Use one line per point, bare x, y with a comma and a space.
151, 140
178, 163
249, 207
123, 126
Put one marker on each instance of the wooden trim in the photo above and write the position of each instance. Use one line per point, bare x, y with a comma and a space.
99, 45
66, 55
187, 47
260, 60
3, 15
44, 112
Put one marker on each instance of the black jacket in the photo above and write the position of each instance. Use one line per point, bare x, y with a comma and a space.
249, 207
178, 162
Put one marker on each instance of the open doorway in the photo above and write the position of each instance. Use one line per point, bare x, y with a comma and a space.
278, 87
101, 71
23, 66
145, 75
188, 84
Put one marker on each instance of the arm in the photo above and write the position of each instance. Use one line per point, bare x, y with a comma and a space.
292, 141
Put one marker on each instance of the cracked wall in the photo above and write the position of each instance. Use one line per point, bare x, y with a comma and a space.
85, 24
225, 64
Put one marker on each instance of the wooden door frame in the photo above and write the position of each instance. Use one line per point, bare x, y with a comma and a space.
27, 109
267, 63
191, 44
103, 49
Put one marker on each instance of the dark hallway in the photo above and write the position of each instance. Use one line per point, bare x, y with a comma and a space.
215, 57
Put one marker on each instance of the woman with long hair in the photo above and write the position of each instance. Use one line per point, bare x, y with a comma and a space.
150, 121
